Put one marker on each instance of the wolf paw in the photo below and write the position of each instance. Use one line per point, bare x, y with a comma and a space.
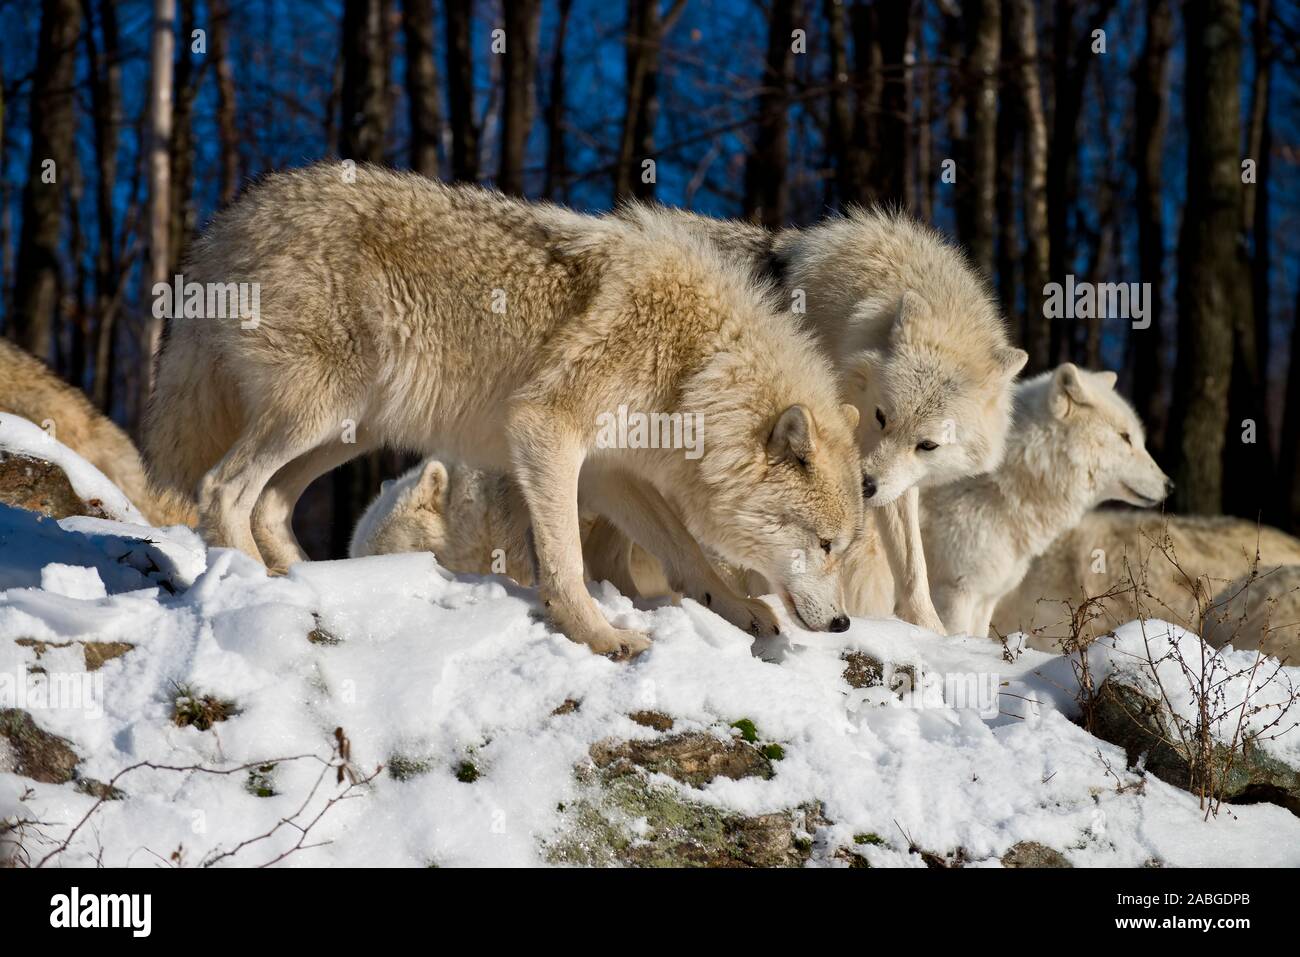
747, 614
926, 618
617, 644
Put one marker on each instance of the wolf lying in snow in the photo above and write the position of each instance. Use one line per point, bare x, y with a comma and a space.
920, 349
28, 388
476, 522
1074, 444
1107, 547
1259, 613
401, 312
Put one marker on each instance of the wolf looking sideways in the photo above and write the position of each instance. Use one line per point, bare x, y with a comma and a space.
495, 332
920, 349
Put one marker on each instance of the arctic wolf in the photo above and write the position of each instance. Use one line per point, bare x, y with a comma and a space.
29, 389
1259, 613
1108, 549
919, 347
1074, 444
476, 522
396, 311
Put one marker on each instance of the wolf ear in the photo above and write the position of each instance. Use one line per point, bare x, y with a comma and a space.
1011, 361
1108, 378
792, 436
851, 415
433, 480
1067, 388
912, 311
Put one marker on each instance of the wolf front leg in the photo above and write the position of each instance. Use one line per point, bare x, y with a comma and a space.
901, 533
547, 461
640, 511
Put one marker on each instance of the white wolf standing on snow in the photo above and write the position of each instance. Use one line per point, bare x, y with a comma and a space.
400, 312
1074, 444
920, 349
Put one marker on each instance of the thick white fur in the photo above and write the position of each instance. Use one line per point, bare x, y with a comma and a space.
1074, 444
918, 343
451, 319
1259, 613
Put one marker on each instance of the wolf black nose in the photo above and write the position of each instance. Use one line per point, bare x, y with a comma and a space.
840, 623
868, 487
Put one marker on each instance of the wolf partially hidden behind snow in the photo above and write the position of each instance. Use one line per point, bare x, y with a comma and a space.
406, 313
919, 347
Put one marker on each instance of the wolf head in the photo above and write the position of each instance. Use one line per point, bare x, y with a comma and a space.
785, 501
930, 413
409, 515
1088, 435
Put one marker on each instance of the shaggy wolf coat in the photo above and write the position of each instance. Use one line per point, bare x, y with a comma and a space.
1107, 549
396, 311
919, 346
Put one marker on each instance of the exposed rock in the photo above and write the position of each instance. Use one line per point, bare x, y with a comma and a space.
41, 486
1125, 715
1033, 854
694, 759
567, 706
95, 653
652, 719
35, 753
862, 670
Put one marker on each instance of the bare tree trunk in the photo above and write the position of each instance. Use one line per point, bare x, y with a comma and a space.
645, 33
422, 86
1212, 281
53, 124
766, 185
1023, 34
1289, 470
162, 50
1248, 467
1073, 55
981, 191
556, 157
523, 20
893, 23
227, 128
460, 91
364, 95
1150, 377
181, 205
863, 150
839, 132
106, 102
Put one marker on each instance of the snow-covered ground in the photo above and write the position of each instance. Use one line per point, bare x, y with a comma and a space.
440, 671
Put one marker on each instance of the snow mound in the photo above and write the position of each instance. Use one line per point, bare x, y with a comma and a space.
429, 674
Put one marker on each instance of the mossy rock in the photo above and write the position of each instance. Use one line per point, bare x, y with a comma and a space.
41, 486
35, 753
626, 821
862, 670
694, 758
1033, 854
1126, 715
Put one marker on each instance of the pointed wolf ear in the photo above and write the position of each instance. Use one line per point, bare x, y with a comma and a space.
1067, 387
852, 415
433, 480
912, 311
1011, 361
1108, 378
792, 436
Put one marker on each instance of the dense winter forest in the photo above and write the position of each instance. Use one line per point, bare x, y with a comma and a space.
1059, 141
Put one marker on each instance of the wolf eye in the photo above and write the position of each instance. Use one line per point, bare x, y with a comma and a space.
927, 446
880, 417
1128, 439
826, 545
